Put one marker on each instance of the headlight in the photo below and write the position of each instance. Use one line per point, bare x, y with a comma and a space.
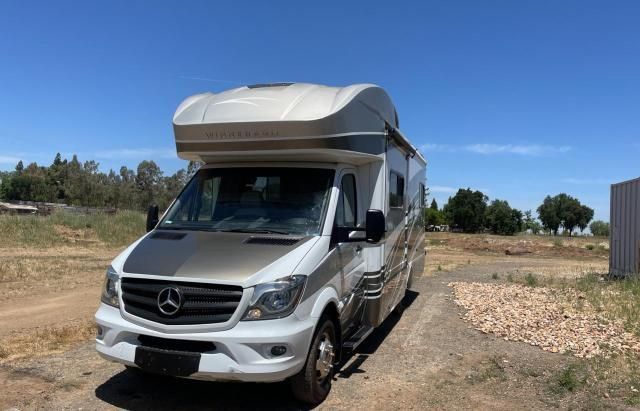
110, 288
275, 300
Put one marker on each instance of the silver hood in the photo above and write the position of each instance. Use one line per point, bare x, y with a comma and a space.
208, 255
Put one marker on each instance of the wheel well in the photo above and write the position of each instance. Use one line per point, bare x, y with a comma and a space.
331, 312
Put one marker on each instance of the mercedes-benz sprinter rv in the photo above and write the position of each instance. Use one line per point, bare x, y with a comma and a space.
295, 239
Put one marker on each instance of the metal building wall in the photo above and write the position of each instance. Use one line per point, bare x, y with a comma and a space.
624, 258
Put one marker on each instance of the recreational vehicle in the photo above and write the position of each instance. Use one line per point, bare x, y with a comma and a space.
297, 237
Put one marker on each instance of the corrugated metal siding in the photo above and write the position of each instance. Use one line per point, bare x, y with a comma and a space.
624, 258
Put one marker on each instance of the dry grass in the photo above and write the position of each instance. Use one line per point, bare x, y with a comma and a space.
53, 255
587, 247
27, 272
576, 270
64, 228
612, 299
49, 268
45, 341
564, 269
615, 299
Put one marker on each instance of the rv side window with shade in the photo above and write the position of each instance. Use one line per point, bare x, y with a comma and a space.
396, 190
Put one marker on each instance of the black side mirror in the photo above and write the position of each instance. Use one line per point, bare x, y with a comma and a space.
376, 225
152, 217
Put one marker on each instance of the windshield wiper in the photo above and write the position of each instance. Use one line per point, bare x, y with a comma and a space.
254, 231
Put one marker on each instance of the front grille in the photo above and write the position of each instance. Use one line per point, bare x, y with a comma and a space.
201, 303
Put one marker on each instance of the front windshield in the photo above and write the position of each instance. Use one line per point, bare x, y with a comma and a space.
280, 200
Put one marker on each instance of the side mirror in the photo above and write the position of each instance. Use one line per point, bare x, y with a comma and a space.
376, 226
152, 217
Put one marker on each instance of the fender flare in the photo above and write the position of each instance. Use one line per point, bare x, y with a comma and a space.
326, 296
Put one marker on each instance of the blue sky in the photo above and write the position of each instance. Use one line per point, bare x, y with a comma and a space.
519, 99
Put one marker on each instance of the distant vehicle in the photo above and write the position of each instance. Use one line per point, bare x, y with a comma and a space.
298, 236
8, 208
438, 228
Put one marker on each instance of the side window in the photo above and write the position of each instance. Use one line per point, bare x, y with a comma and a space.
208, 199
422, 196
347, 210
396, 190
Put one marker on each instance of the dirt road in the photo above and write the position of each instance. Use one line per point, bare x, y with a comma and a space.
427, 357
33, 312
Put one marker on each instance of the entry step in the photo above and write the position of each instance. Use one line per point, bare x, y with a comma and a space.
357, 338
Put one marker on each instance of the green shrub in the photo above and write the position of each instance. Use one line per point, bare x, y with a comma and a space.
531, 280
568, 379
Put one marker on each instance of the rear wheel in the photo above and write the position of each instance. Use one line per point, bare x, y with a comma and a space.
313, 383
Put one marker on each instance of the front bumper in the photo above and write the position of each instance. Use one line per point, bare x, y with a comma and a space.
243, 353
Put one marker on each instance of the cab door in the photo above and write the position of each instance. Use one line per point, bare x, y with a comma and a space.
352, 263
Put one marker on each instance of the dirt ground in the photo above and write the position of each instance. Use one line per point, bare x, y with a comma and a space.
426, 357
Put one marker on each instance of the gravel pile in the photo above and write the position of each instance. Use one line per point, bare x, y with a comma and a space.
541, 317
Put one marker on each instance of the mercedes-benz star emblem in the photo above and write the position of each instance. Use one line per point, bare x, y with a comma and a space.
169, 300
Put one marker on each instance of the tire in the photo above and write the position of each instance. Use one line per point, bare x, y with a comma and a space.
310, 385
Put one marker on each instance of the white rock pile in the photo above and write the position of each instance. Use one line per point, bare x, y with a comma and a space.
541, 317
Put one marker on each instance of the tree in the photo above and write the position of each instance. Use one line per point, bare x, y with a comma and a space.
434, 205
564, 211
466, 210
530, 223
434, 217
192, 168
501, 219
570, 211
584, 217
599, 228
57, 174
83, 184
173, 184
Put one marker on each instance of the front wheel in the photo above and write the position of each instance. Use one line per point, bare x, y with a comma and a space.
313, 383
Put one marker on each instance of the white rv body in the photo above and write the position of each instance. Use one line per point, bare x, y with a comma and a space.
349, 135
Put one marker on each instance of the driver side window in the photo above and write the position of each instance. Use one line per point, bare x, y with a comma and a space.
347, 210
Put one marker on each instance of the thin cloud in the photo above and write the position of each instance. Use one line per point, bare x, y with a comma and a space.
437, 147
525, 150
442, 189
490, 149
9, 160
134, 153
587, 181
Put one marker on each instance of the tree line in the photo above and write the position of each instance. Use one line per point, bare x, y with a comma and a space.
82, 184
471, 212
